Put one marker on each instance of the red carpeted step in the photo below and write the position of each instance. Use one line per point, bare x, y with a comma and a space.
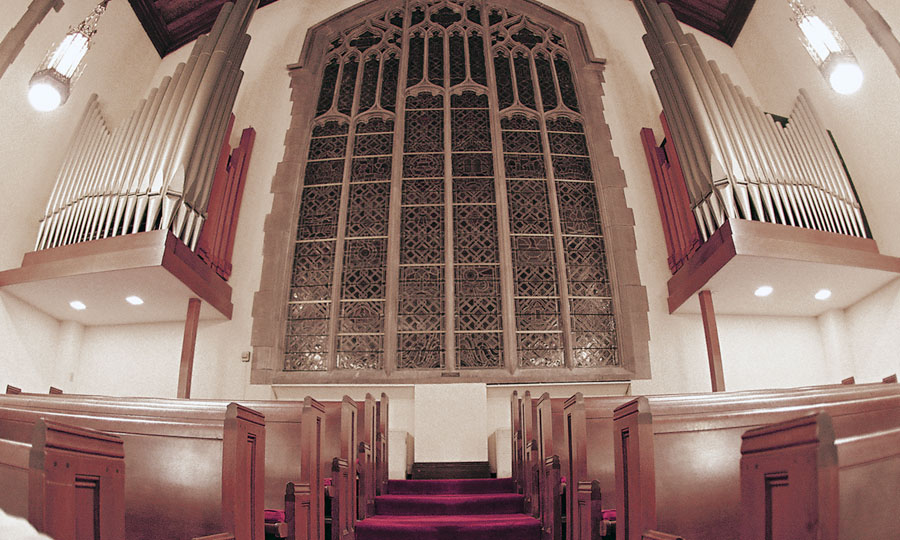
470, 527
431, 505
451, 487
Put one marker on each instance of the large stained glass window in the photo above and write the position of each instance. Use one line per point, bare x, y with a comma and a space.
449, 218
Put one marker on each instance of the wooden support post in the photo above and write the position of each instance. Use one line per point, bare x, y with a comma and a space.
15, 38
712, 341
187, 348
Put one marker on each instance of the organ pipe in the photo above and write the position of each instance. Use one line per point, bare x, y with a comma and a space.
739, 162
155, 170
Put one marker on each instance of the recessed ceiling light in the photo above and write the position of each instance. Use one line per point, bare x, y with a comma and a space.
823, 294
134, 300
765, 290
77, 305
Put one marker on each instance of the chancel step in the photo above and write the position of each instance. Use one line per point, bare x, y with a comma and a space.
447, 470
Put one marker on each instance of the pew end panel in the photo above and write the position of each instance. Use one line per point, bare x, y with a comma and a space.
366, 468
299, 515
551, 511
176, 487
69, 481
635, 478
382, 446
342, 513
805, 479
578, 486
516, 439
244, 472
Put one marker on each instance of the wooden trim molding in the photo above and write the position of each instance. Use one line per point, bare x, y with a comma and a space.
269, 310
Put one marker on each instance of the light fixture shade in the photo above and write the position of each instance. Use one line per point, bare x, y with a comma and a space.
52, 82
828, 50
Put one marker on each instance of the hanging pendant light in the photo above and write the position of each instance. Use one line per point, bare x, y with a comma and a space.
52, 81
828, 50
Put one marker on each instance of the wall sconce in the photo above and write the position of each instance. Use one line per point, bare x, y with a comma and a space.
828, 50
52, 81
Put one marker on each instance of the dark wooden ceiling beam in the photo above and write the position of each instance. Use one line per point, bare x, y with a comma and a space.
721, 19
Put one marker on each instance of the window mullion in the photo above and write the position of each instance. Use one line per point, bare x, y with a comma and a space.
558, 246
392, 287
450, 364
337, 279
507, 283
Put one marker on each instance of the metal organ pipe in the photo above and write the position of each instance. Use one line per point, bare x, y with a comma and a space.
739, 162
156, 169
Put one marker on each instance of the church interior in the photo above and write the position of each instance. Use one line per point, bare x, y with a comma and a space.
615, 265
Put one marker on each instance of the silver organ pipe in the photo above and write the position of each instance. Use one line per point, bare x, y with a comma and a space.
737, 161
155, 170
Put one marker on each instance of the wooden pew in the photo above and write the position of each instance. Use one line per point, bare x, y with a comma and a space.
381, 445
55, 391
366, 469
69, 482
516, 438
293, 455
810, 479
10, 389
339, 450
529, 452
677, 464
590, 473
193, 469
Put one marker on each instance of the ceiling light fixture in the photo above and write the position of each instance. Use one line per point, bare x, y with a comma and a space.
823, 294
52, 81
134, 300
764, 290
828, 50
77, 305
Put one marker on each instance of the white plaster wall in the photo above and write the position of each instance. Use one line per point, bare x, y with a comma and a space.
866, 126
28, 339
872, 326
35, 354
149, 363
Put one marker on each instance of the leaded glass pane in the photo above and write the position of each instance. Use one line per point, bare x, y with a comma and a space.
540, 159
457, 59
369, 85
476, 59
329, 80
504, 81
436, 58
523, 81
348, 86
416, 60
391, 71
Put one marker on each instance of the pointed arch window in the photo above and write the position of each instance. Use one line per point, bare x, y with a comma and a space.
449, 211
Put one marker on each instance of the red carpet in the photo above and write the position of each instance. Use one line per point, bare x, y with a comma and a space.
449, 510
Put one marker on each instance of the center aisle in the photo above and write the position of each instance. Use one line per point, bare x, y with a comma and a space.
480, 509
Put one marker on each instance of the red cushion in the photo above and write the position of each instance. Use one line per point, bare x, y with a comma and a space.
274, 516
609, 514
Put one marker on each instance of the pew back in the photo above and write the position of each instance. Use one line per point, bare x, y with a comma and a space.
677, 462
193, 468
588, 443
803, 479
381, 456
69, 482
